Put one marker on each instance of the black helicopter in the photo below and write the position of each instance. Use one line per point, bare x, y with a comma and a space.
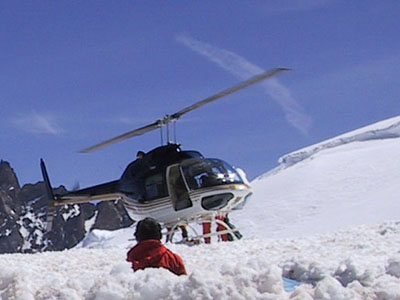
174, 186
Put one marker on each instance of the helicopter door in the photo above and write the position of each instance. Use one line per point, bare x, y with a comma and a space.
178, 191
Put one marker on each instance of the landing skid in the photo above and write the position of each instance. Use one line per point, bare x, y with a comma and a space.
193, 227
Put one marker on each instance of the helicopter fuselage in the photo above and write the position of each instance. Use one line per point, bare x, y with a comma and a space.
171, 186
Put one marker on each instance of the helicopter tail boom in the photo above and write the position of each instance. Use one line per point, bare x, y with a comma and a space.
102, 192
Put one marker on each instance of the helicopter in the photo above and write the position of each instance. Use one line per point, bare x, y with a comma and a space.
175, 187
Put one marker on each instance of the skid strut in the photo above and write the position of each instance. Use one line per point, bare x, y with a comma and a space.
195, 237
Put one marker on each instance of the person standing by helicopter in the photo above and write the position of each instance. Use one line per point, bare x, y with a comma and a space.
131, 182
224, 237
149, 252
184, 232
140, 154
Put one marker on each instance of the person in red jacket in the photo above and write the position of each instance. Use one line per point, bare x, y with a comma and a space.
149, 252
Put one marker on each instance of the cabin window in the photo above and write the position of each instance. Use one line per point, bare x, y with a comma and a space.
155, 187
201, 173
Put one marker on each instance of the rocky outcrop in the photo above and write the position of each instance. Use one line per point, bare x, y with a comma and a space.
11, 239
23, 217
111, 216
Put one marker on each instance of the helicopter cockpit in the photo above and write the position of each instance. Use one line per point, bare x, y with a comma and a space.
184, 179
202, 173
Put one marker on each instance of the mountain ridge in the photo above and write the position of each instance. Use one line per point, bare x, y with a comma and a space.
23, 217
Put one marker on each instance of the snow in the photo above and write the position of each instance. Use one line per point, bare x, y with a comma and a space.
351, 184
327, 217
385, 129
89, 223
71, 212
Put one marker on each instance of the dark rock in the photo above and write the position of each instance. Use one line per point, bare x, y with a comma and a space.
111, 215
10, 238
9, 182
23, 214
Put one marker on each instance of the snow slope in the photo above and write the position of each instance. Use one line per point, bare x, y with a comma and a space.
325, 216
348, 180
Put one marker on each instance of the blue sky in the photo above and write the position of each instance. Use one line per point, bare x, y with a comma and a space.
75, 73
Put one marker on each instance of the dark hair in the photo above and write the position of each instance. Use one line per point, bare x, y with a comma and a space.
148, 229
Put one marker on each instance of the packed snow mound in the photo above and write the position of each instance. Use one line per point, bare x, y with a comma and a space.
359, 263
106, 239
349, 180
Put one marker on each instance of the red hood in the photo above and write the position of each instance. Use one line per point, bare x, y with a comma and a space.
146, 253
153, 254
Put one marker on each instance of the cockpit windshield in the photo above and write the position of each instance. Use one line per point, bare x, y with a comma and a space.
200, 173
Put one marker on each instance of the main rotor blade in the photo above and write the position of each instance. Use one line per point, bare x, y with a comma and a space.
124, 136
177, 115
229, 91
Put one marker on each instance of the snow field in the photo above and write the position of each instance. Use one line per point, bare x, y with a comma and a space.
360, 263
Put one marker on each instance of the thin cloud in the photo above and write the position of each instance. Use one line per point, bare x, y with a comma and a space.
37, 123
243, 69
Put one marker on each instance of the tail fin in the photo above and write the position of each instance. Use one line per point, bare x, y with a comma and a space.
50, 196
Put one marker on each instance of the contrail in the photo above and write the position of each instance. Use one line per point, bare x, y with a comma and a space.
243, 69
37, 123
